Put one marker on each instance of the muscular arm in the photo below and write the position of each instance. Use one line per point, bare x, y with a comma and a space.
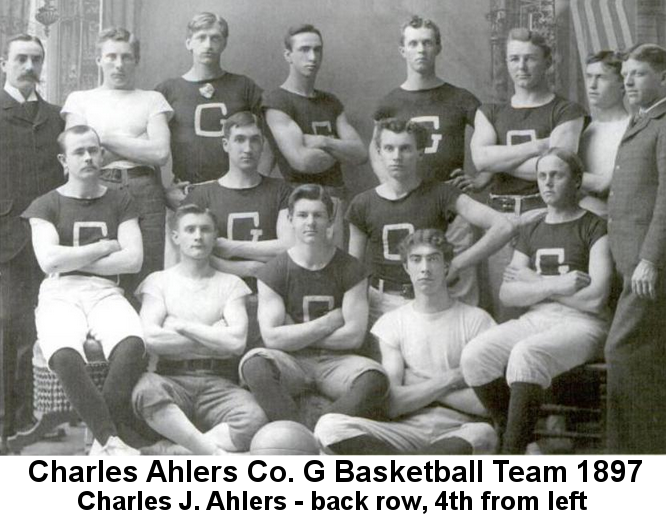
594, 297
498, 231
490, 157
151, 150
224, 340
348, 148
598, 184
241, 268
405, 399
290, 140
279, 335
127, 259
261, 251
54, 258
355, 314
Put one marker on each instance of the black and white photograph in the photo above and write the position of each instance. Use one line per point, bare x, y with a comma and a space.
320, 227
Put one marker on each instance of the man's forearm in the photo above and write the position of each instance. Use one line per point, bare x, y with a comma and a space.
141, 150
222, 340
503, 158
346, 151
261, 251
297, 336
493, 240
406, 399
63, 259
241, 268
121, 262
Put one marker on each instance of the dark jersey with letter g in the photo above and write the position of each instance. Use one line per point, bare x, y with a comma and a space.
519, 125
446, 111
559, 248
316, 115
307, 294
387, 222
200, 110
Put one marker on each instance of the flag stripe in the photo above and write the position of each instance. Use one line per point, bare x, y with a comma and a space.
624, 23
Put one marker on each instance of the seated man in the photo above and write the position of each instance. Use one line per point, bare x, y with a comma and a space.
421, 343
313, 311
195, 322
250, 210
561, 271
84, 236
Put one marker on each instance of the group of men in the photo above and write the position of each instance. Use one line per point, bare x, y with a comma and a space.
261, 266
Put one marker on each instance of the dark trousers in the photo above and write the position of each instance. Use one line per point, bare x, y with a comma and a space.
636, 357
19, 285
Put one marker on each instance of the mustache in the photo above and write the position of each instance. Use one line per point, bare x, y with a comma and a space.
30, 75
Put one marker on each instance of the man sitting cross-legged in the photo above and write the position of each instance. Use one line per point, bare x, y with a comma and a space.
196, 323
84, 236
313, 313
421, 344
561, 271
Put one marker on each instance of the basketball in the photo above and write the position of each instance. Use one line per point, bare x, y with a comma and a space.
284, 437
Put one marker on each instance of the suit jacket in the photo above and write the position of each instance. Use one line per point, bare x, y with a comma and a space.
29, 166
637, 199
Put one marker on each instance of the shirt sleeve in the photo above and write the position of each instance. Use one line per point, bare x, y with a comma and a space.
489, 111
448, 195
238, 289
160, 105
41, 208
254, 96
73, 105
471, 105
353, 271
384, 109
387, 329
356, 214
283, 195
127, 207
596, 229
152, 285
274, 274
566, 111
477, 322
277, 100
338, 108
196, 197
522, 241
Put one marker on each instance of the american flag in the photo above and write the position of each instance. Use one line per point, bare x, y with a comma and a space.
602, 25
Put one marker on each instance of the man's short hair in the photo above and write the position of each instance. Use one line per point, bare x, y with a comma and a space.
430, 237
80, 129
313, 193
188, 209
649, 53
240, 119
609, 58
416, 22
22, 37
119, 34
571, 159
202, 21
399, 125
535, 38
300, 29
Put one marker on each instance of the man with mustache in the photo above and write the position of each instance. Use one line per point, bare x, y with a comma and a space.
29, 127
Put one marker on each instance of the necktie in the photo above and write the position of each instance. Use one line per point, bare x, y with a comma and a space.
31, 108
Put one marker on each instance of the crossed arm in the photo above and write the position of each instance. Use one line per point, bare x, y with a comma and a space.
523, 287
314, 154
517, 160
339, 329
104, 257
152, 148
407, 398
177, 338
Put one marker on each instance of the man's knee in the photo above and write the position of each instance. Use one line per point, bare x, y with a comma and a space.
529, 363
246, 424
64, 358
479, 364
258, 369
373, 383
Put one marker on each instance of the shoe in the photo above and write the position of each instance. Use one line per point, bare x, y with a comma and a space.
114, 447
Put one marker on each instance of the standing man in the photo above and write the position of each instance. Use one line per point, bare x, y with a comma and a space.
29, 128
313, 136
133, 126
637, 228
85, 235
313, 314
431, 408
250, 210
202, 99
509, 137
446, 111
601, 138
195, 321
380, 218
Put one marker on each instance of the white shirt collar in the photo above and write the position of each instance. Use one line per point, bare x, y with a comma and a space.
643, 111
15, 94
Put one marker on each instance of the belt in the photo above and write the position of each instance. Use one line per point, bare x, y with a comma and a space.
114, 278
122, 175
516, 204
390, 287
166, 366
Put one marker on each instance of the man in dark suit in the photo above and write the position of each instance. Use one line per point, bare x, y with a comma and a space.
636, 350
29, 127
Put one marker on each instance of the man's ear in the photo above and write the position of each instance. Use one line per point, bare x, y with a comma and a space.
63, 161
225, 145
